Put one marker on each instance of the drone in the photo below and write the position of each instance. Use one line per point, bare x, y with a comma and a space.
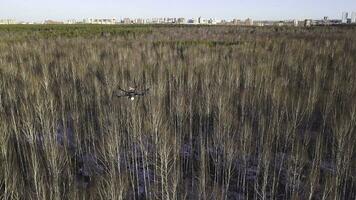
131, 93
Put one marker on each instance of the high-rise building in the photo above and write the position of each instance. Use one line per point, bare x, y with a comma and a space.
181, 20
193, 21
308, 23
126, 21
353, 17
202, 20
249, 22
345, 15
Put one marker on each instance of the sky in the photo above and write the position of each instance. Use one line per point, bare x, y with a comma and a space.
39, 10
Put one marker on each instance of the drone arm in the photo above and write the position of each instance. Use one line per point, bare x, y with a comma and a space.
123, 90
142, 93
119, 95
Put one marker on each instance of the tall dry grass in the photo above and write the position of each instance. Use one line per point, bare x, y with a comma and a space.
233, 113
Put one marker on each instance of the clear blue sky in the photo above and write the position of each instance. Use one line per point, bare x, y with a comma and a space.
37, 10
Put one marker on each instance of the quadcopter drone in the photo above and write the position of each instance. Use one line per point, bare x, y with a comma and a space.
131, 93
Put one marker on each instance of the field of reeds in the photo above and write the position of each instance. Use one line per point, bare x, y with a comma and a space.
232, 112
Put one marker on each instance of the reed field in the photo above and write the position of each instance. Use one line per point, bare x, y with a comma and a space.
232, 112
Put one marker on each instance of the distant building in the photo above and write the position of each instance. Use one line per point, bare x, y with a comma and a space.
344, 18
307, 23
52, 22
249, 22
126, 21
237, 22
325, 21
192, 21
202, 20
295, 23
223, 21
212, 21
267, 23
170, 20
86, 21
280, 23
259, 24
100, 21
157, 20
154, 21
334, 21
353, 17
71, 21
7, 21
139, 21
181, 20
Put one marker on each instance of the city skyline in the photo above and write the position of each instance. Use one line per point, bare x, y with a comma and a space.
39, 10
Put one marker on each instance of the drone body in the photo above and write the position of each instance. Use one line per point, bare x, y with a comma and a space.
131, 93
